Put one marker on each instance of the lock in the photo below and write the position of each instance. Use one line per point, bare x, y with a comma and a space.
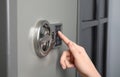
55, 27
45, 37
42, 38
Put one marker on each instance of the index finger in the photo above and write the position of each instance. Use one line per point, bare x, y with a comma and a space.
64, 38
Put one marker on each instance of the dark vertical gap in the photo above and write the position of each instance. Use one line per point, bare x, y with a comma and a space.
106, 9
104, 49
94, 9
3, 39
94, 46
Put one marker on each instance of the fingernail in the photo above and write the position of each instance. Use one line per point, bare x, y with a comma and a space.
63, 67
59, 32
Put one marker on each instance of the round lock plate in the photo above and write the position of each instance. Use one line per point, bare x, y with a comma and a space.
42, 38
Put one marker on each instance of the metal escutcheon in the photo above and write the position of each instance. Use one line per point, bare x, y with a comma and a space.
42, 39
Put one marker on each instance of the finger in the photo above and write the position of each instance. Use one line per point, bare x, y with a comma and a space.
63, 58
62, 63
68, 64
73, 49
64, 38
65, 54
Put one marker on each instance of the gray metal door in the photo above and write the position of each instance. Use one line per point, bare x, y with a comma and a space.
92, 30
17, 55
28, 12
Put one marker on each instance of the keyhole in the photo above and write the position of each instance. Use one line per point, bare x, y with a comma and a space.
45, 46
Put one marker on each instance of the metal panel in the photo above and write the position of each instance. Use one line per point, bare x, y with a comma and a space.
89, 10
8, 38
113, 55
92, 28
29, 11
12, 38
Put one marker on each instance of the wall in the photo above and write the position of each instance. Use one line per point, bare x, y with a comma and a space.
113, 57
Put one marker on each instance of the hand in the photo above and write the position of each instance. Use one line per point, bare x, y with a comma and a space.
76, 56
